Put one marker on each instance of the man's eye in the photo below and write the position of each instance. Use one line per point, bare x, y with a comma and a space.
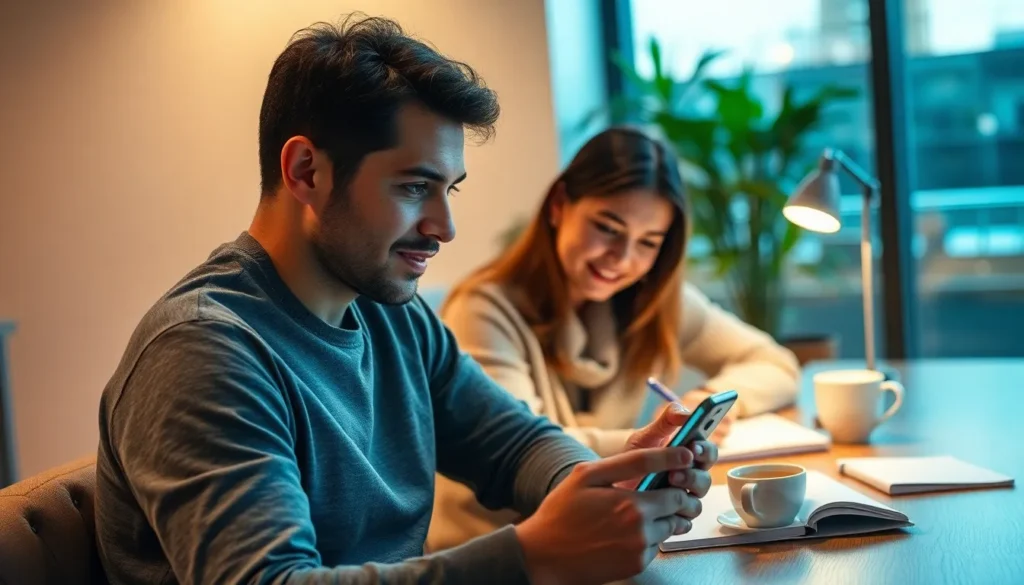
416, 189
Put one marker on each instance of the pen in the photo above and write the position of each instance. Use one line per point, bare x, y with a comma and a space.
660, 389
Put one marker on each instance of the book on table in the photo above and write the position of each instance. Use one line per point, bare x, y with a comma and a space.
830, 509
914, 475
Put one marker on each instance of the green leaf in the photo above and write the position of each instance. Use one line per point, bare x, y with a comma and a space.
727, 260
716, 86
738, 111
790, 237
764, 190
663, 82
643, 85
685, 88
706, 58
694, 138
655, 50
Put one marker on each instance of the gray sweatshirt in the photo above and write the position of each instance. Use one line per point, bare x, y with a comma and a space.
244, 440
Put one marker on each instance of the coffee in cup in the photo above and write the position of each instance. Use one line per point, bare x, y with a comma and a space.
767, 495
849, 402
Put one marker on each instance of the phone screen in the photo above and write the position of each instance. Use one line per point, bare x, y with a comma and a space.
699, 425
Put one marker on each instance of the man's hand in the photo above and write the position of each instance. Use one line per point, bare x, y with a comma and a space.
594, 528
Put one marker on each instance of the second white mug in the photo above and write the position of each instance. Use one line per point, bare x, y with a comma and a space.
849, 402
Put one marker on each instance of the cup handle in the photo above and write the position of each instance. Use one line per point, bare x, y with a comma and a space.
747, 499
897, 389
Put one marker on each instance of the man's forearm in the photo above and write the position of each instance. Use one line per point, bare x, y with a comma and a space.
495, 558
546, 463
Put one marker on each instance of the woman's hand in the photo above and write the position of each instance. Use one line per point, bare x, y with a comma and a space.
691, 400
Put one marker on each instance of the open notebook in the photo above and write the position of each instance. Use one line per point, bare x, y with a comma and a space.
769, 435
913, 475
830, 509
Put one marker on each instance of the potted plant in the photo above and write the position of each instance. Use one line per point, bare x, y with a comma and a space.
739, 163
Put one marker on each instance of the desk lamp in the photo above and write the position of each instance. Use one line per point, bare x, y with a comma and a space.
814, 205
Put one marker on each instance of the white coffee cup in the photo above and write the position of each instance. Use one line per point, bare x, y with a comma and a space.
849, 402
767, 495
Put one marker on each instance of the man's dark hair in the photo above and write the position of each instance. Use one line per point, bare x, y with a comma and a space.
341, 86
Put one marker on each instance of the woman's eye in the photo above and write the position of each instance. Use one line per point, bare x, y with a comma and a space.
649, 244
606, 229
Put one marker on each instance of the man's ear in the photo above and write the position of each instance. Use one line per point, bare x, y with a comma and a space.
559, 200
306, 172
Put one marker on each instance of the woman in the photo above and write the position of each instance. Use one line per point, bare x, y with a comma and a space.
590, 301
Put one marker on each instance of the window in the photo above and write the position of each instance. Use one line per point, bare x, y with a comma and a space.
804, 45
964, 105
967, 187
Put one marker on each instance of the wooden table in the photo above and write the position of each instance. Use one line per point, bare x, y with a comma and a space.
971, 409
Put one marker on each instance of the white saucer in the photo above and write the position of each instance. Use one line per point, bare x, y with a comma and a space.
730, 519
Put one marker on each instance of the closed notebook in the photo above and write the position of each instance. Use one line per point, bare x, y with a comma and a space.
769, 435
830, 509
913, 475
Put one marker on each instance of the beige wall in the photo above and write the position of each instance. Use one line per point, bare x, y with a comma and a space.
129, 152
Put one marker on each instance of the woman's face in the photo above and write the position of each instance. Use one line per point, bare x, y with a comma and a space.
606, 244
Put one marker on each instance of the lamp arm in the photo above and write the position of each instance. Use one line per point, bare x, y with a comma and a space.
859, 174
867, 275
870, 186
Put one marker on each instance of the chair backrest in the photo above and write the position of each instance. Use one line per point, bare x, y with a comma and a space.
47, 528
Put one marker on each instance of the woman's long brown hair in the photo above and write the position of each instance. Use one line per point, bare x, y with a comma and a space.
648, 312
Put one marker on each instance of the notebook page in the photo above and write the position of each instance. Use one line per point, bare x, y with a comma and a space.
766, 435
823, 491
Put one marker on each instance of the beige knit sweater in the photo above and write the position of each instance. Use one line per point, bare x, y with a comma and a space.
487, 325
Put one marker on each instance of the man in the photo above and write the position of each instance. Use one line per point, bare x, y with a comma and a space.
278, 415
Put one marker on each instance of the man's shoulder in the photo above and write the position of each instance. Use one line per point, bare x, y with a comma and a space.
211, 296
206, 306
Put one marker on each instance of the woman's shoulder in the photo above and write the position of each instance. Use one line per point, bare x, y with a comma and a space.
692, 292
481, 298
697, 311
484, 314
474, 293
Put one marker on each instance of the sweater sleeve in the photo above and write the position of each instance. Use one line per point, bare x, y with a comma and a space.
486, 333
736, 356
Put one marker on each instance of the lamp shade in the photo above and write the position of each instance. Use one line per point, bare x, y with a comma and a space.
814, 204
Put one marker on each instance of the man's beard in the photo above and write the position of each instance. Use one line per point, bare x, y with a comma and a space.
349, 258
357, 273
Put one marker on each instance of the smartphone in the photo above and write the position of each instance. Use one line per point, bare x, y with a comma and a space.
699, 426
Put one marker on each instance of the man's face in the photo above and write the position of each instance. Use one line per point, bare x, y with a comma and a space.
377, 234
